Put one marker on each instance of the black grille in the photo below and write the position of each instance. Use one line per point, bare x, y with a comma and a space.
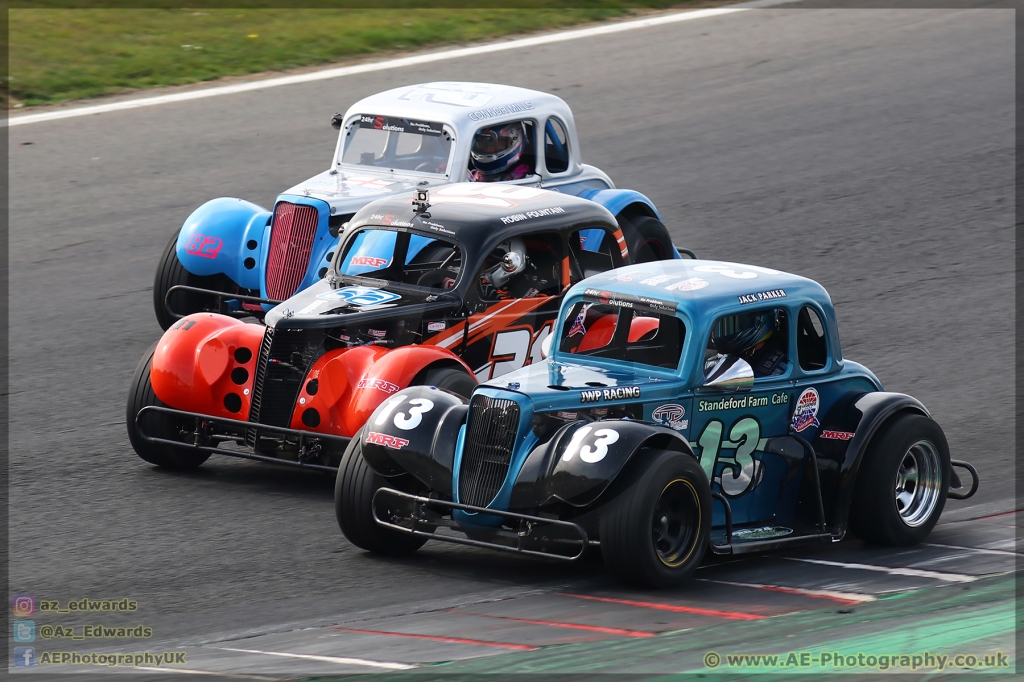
486, 457
285, 357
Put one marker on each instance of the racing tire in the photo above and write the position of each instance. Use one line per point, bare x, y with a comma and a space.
451, 379
141, 395
654, 532
902, 482
169, 273
353, 505
647, 239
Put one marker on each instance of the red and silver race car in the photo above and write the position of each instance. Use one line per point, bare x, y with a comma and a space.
440, 289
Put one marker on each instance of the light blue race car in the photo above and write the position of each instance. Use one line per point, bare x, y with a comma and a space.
234, 257
683, 405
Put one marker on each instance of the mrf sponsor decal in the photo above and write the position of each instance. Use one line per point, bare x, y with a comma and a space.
368, 260
598, 394
393, 442
671, 415
759, 296
837, 435
805, 412
379, 384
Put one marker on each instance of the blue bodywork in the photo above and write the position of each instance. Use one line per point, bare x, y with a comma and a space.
226, 228
742, 439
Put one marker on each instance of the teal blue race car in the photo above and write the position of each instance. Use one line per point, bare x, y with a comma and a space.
682, 406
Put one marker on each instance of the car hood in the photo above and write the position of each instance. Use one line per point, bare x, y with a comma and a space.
348, 191
557, 385
322, 305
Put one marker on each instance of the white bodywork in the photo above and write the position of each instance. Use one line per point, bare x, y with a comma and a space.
462, 109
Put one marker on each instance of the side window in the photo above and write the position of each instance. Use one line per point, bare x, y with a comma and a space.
608, 331
592, 251
556, 146
523, 267
811, 344
761, 337
504, 151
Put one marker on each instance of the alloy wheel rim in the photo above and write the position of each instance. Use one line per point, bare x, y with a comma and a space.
918, 483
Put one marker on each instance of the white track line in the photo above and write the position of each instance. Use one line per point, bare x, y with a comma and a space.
818, 594
547, 39
191, 671
912, 572
980, 550
328, 659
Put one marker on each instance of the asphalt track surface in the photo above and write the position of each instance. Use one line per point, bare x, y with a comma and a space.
869, 150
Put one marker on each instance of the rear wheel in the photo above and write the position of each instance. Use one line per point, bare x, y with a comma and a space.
451, 379
647, 239
353, 505
170, 273
901, 485
654, 532
155, 424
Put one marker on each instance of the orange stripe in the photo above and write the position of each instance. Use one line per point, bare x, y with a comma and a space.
731, 615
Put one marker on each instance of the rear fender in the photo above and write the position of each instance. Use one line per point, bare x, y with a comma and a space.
352, 382
197, 365
582, 460
624, 204
415, 432
867, 415
214, 240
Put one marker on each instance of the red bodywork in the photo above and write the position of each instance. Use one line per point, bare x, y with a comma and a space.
196, 368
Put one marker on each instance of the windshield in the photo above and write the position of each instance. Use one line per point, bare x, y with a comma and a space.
624, 334
402, 258
397, 144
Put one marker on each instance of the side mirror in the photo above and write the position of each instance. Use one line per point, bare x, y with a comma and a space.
731, 373
336, 121
545, 346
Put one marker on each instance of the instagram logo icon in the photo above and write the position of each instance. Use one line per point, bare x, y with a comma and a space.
24, 605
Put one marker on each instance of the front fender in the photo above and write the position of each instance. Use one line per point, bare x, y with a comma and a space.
197, 365
866, 416
618, 200
215, 240
415, 432
350, 383
577, 467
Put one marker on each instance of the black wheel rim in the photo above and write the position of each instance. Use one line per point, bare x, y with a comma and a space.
676, 523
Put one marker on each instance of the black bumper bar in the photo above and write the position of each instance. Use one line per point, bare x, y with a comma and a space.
526, 525
202, 437
957, 493
220, 295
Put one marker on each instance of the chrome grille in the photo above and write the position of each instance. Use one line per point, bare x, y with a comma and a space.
487, 455
291, 241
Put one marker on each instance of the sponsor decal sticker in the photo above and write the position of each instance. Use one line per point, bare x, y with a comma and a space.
805, 413
379, 333
514, 385
518, 217
311, 307
610, 394
659, 279
566, 415
393, 442
837, 435
746, 402
379, 384
360, 296
609, 298
515, 108
368, 260
400, 125
447, 283
436, 326
692, 284
759, 296
577, 326
630, 278
671, 415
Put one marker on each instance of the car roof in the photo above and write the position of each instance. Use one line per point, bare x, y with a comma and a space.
705, 288
465, 106
479, 215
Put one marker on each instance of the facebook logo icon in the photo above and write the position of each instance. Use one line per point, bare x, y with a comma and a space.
24, 656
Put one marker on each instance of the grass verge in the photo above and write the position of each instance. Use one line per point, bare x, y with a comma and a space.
69, 54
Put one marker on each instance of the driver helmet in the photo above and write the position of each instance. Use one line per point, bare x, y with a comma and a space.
738, 334
497, 149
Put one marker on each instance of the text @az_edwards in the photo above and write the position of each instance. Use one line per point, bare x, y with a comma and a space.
97, 631
834, 660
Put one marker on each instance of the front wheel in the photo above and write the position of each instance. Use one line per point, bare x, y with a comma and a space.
655, 531
901, 485
353, 505
647, 239
170, 273
158, 424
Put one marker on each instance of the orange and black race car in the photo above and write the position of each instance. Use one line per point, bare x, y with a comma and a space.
439, 289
